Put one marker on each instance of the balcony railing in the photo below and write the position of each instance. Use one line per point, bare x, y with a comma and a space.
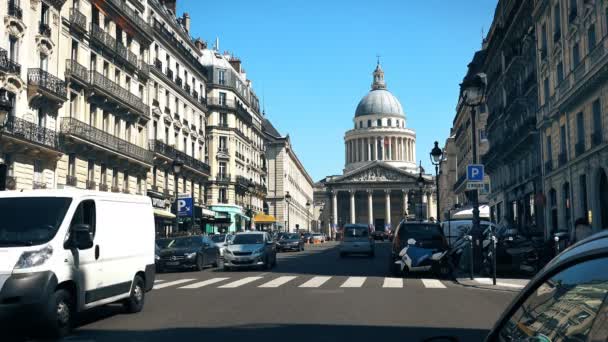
158, 64
44, 29
78, 20
221, 102
187, 89
47, 82
131, 14
174, 154
169, 73
72, 126
14, 10
222, 150
222, 177
222, 200
71, 180
143, 68
8, 65
126, 55
113, 45
178, 81
562, 158
548, 166
195, 95
119, 93
76, 70
30, 131
596, 138
580, 148
174, 42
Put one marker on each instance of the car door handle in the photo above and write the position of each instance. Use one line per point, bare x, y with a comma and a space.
96, 252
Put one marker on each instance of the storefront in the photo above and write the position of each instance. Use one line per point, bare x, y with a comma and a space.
163, 217
234, 213
264, 222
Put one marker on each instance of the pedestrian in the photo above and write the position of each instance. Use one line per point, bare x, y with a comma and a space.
582, 230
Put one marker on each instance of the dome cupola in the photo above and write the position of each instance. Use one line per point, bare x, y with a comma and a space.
379, 101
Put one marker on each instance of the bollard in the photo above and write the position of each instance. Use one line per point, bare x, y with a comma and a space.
494, 242
470, 238
556, 238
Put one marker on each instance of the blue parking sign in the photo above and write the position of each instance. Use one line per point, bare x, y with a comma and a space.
185, 206
475, 173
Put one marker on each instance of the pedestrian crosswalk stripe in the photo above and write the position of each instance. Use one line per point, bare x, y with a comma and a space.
315, 282
354, 282
172, 283
203, 283
279, 281
393, 283
433, 284
241, 282
488, 281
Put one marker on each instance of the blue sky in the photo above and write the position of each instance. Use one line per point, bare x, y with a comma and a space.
312, 61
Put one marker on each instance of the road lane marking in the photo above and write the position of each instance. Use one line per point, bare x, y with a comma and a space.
156, 281
203, 283
433, 284
172, 283
393, 283
488, 281
238, 283
279, 281
354, 282
315, 282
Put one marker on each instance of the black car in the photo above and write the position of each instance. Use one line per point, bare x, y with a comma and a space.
419, 246
189, 252
290, 242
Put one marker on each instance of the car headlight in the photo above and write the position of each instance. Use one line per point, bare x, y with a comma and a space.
190, 255
227, 251
156, 257
34, 258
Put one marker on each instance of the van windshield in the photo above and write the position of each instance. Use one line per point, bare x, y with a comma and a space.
355, 232
28, 221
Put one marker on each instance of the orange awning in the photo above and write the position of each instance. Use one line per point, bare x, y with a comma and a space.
263, 218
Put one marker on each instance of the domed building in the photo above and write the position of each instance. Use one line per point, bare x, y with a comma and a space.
379, 184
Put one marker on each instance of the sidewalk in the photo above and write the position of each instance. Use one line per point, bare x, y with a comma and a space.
501, 283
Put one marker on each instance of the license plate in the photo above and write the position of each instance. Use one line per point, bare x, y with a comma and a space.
172, 263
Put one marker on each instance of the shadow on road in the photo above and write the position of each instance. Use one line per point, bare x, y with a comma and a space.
275, 332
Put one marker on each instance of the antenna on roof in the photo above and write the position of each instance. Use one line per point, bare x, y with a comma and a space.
217, 43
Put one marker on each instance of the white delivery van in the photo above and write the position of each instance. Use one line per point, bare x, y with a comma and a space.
64, 251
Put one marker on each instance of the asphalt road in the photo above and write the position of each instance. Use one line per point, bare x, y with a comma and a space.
311, 295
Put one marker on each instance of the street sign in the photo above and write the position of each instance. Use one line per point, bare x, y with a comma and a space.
475, 173
185, 205
475, 185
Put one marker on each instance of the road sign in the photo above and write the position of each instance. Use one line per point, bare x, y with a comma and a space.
184, 206
475, 173
475, 185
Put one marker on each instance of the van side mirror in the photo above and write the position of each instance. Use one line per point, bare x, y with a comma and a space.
81, 236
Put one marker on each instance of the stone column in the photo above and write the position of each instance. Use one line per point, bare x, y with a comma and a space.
388, 207
390, 148
370, 206
369, 149
375, 148
405, 202
334, 200
352, 206
429, 201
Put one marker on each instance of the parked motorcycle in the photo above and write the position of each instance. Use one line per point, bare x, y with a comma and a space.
515, 252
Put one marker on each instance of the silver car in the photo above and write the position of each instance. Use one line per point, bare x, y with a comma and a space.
221, 240
250, 249
356, 239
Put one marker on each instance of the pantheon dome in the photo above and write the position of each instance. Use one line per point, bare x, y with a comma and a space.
380, 132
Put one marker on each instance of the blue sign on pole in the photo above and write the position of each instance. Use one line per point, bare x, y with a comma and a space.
185, 207
475, 173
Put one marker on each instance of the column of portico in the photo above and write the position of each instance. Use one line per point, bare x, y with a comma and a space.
352, 206
388, 207
375, 148
390, 148
361, 149
369, 149
370, 206
334, 200
405, 202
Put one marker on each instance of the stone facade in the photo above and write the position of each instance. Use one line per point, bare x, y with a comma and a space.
447, 178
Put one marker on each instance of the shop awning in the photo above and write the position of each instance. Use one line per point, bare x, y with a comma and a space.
163, 214
207, 212
263, 218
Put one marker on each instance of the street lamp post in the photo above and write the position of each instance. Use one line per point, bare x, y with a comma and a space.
420, 182
250, 189
436, 159
308, 214
472, 92
320, 221
5, 107
177, 168
287, 199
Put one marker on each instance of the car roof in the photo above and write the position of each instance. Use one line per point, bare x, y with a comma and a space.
75, 194
253, 233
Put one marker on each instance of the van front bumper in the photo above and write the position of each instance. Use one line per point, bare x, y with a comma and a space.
26, 293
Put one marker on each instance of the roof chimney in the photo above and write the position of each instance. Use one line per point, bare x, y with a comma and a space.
236, 64
200, 44
186, 22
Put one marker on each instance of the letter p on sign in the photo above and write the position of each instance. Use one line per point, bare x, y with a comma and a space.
475, 173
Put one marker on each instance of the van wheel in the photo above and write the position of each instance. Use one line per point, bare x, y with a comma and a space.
60, 314
135, 302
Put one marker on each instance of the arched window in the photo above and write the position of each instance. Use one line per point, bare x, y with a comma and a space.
389, 123
379, 122
369, 123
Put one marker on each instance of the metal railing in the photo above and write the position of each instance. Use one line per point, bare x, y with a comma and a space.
14, 10
175, 154
44, 29
221, 102
158, 64
72, 126
47, 81
222, 177
131, 14
119, 93
126, 55
77, 70
8, 65
185, 53
100, 35
78, 20
178, 81
187, 89
30, 131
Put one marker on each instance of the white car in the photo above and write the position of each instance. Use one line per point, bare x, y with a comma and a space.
357, 239
64, 251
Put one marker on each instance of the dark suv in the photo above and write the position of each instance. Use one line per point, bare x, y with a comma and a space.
419, 246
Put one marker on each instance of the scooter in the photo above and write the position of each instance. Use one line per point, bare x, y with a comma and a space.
417, 259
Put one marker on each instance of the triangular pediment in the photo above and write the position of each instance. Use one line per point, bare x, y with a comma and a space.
376, 172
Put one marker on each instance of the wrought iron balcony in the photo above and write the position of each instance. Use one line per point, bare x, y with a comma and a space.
132, 16
14, 10
222, 200
119, 94
44, 29
597, 138
221, 102
167, 192
169, 73
126, 55
91, 185
113, 46
580, 148
143, 68
7, 65
155, 103
158, 64
562, 159
178, 81
103, 187
78, 21
11, 183
155, 188
38, 185
30, 131
187, 89
222, 150
48, 84
195, 95
76, 71
222, 177
175, 154
71, 180
84, 131
175, 43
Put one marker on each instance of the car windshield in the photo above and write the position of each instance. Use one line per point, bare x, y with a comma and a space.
419, 232
185, 242
290, 236
218, 238
27, 221
352, 232
248, 239
164, 243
